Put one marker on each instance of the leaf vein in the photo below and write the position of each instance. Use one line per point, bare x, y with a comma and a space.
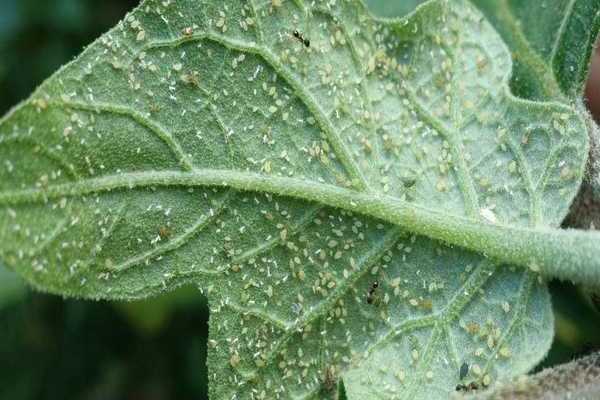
138, 117
176, 242
342, 152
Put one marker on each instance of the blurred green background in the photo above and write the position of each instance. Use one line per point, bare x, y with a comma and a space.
51, 348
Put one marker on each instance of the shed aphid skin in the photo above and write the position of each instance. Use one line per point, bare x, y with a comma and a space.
371, 293
298, 35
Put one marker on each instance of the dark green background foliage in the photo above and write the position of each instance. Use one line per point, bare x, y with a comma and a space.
66, 349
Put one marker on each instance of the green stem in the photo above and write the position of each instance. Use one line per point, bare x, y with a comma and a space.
565, 254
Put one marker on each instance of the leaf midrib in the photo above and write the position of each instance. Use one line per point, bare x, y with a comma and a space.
343, 154
369, 204
442, 226
559, 253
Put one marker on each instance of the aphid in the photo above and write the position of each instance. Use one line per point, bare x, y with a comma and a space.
329, 378
462, 374
464, 370
228, 249
409, 182
164, 232
154, 108
371, 292
191, 79
301, 38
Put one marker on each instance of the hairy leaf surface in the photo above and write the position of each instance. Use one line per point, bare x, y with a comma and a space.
551, 41
302, 184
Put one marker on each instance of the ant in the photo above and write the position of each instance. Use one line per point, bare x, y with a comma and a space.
301, 38
461, 387
371, 292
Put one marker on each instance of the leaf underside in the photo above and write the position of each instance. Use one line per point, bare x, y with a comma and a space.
550, 41
417, 110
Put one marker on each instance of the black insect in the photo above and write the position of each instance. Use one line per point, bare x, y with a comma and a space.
298, 35
464, 370
461, 387
462, 374
409, 182
371, 292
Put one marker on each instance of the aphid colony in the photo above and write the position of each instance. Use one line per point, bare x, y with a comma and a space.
328, 375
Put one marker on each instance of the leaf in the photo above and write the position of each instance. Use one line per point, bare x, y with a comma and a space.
551, 41
393, 9
314, 189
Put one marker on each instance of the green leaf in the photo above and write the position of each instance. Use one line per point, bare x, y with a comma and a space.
550, 41
393, 9
347, 202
